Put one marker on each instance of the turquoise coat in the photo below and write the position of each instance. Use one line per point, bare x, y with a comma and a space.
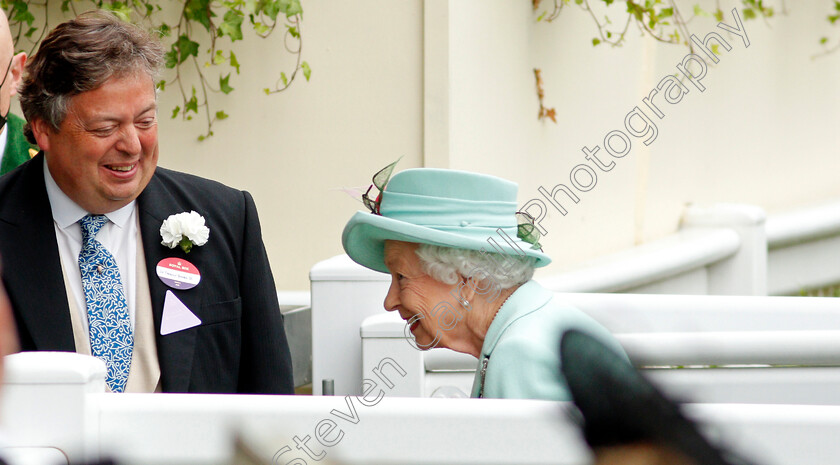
522, 347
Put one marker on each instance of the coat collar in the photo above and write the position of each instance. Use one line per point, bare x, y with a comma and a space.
527, 299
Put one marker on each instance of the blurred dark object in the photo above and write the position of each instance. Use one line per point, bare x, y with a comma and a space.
625, 418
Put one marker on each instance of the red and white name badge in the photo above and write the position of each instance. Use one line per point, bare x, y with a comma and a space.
178, 273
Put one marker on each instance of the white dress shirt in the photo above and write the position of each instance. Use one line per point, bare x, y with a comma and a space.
118, 236
4, 135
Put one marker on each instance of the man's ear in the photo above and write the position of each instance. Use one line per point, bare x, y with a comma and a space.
18, 62
42, 131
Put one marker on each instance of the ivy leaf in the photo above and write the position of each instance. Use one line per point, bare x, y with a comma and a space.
232, 25
22, 14
596, 41
636, 11
171, 58
251, 6
200, 12
164, 30
719, 15
224, 86
267, 91
186, 47
749, 13
175, 111
284, 79
823, 40
307, 71
218, 58
261, 28
220, 115
161, 85
233, 62
30, 31
122, 10
293, 31
192, 104
272, 8
293, 8
65, 6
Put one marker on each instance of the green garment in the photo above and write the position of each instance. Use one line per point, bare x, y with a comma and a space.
17, 147
522, 346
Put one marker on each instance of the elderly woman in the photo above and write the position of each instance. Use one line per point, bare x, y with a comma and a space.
461, 268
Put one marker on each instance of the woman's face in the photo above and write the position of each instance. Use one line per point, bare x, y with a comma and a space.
431, 306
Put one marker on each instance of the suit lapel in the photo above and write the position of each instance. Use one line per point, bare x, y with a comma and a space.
37, 283
175, 350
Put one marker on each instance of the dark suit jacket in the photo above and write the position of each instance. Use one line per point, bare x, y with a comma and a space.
240, 346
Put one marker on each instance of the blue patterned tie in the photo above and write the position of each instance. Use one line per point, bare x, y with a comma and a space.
111, 339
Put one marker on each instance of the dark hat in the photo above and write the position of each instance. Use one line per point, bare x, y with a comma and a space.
621, 407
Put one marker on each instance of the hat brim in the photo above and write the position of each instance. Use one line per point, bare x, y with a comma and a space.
365, 234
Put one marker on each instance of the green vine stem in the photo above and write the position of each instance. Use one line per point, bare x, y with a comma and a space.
660, 19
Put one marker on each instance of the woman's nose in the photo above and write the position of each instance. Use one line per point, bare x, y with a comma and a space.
392, 298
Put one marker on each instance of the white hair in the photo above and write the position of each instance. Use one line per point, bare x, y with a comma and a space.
447, 265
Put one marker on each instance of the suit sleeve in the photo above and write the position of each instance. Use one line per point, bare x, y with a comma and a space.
266, 364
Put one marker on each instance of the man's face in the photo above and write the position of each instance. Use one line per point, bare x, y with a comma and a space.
106, 149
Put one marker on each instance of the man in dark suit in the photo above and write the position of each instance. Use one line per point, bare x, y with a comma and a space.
80, 232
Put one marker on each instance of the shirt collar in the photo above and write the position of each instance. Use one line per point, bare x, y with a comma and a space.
528, 298
66, 212
4, 135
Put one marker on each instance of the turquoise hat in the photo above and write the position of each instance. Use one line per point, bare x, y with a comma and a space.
449, 208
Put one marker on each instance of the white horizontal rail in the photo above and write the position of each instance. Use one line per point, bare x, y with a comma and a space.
197, 429
803, 225
673, 255
154, 429
634, 313
800, 348
710, 348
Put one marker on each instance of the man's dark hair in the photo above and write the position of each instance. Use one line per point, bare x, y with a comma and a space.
80, 55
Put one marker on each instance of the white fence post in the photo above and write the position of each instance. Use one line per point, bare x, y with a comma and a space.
343, 295
744, 273
45, 402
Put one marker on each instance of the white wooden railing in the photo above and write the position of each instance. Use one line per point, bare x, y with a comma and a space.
782, 350
62, 409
